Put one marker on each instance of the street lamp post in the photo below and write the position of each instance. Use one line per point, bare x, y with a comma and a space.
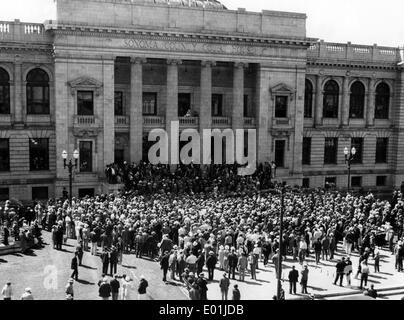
349, 156
279, 276
70, 165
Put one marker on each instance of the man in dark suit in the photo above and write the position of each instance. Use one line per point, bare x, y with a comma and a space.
293, 279
233, 261
165, 264
113, 260
75, 268
105, 261
340, 267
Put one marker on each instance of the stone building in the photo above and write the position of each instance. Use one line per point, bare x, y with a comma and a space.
106, 72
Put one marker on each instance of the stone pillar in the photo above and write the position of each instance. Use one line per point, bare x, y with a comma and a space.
108, 115
397, 116
136, 106
318, 116
18, 93
237, 118
205, 111
263, 114
345, 102
370, 111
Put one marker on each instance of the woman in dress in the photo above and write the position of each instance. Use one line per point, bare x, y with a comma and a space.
126, 288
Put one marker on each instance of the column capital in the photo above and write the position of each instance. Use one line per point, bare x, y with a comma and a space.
174, 62
241, 65
138, 60
208, 63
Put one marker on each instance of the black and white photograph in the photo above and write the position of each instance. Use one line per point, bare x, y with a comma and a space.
185, 150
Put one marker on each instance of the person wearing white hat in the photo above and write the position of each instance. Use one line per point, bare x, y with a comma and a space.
27, 295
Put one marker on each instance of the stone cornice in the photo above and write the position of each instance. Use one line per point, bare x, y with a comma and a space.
170, 35
353, 64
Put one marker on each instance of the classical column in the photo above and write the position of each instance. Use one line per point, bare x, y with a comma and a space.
370, 111
205, 111
237, 118
18, 94
108, 115
136, 101
318, 116
345, 102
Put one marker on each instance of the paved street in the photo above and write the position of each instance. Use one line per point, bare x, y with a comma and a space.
46, 271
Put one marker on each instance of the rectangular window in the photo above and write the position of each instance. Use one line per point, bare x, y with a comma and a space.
118, 103
85, 103
358, 144
246, 108
280, 153
40, 193
39, 154
306, 183
356, 182
4, 98
4, 194
4, 155
37, 99
330, 182
330, 150
217, 105
281, 107
381, 150
86, 156
381, 181
149, 103
306, 151
184, 104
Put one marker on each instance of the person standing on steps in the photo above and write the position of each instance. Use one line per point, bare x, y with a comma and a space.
293, 279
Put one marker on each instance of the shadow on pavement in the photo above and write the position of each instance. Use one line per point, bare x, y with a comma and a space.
85, 282
129, 267
88, 267
3, 261
316, 288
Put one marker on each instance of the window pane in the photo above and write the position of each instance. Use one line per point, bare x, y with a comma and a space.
246, 108
356, 182
382, 101
39, 154
381, 150
308, 99
330, 100
4, 98
184, 103
330, 182
4, 155
306, 183
330, 150
118, 103
85, 103
149, 103
306, 151
357, 100
217, 105
280, 153
381, 181
4, 194
86, 156
358, 144
37, 92
281, 107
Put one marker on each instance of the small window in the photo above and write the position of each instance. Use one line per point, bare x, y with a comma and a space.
331, 99
39, 154
280, 153
357, 100
381, 181
381, 150
4, 194
118, 103
4, 155
4, 92
149, 103
85, 103
330, 182
330, 150
382, 101
217, 105
308, 99
86, 192
306, 183
86, 156
184, 104
358, 144
356, 182
37, 92
40, 193
281, 107
306, 151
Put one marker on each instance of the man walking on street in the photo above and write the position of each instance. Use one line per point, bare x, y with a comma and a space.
340, 267
304, 279
233, 261
293, 278
224, 285
75, 267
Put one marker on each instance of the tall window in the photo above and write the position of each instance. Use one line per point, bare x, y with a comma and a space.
217, 105
86, 156
37, 92
358, 144
149, 103
357, 100
281, 107
331, 99
381, 150
85, 103
247, 112
382, 101
306, 151
184, 104
39, 154
308, 99
330, 150
280, 153
4, 92
4, 155
118, 103
4, 194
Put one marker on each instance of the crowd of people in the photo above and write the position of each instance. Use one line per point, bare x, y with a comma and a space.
192, 218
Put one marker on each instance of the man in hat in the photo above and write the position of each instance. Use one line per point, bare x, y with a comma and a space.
224, 285
69, 289
74, 266
293, 278
105, 261
113, 260
7, 291
211, 262
203, 286
165, 263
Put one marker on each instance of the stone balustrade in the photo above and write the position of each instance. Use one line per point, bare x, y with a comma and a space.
27, 32
221, 121
154, 121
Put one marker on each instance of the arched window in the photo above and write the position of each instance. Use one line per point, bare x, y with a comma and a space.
308, 99
4, 92
382, 101
331, 99
357, 100
37, 92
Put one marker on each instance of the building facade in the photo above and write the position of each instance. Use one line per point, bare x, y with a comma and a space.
106, 72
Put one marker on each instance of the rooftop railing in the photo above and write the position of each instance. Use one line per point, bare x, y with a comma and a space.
21, 31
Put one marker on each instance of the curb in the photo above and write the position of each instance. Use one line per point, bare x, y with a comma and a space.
355, 292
